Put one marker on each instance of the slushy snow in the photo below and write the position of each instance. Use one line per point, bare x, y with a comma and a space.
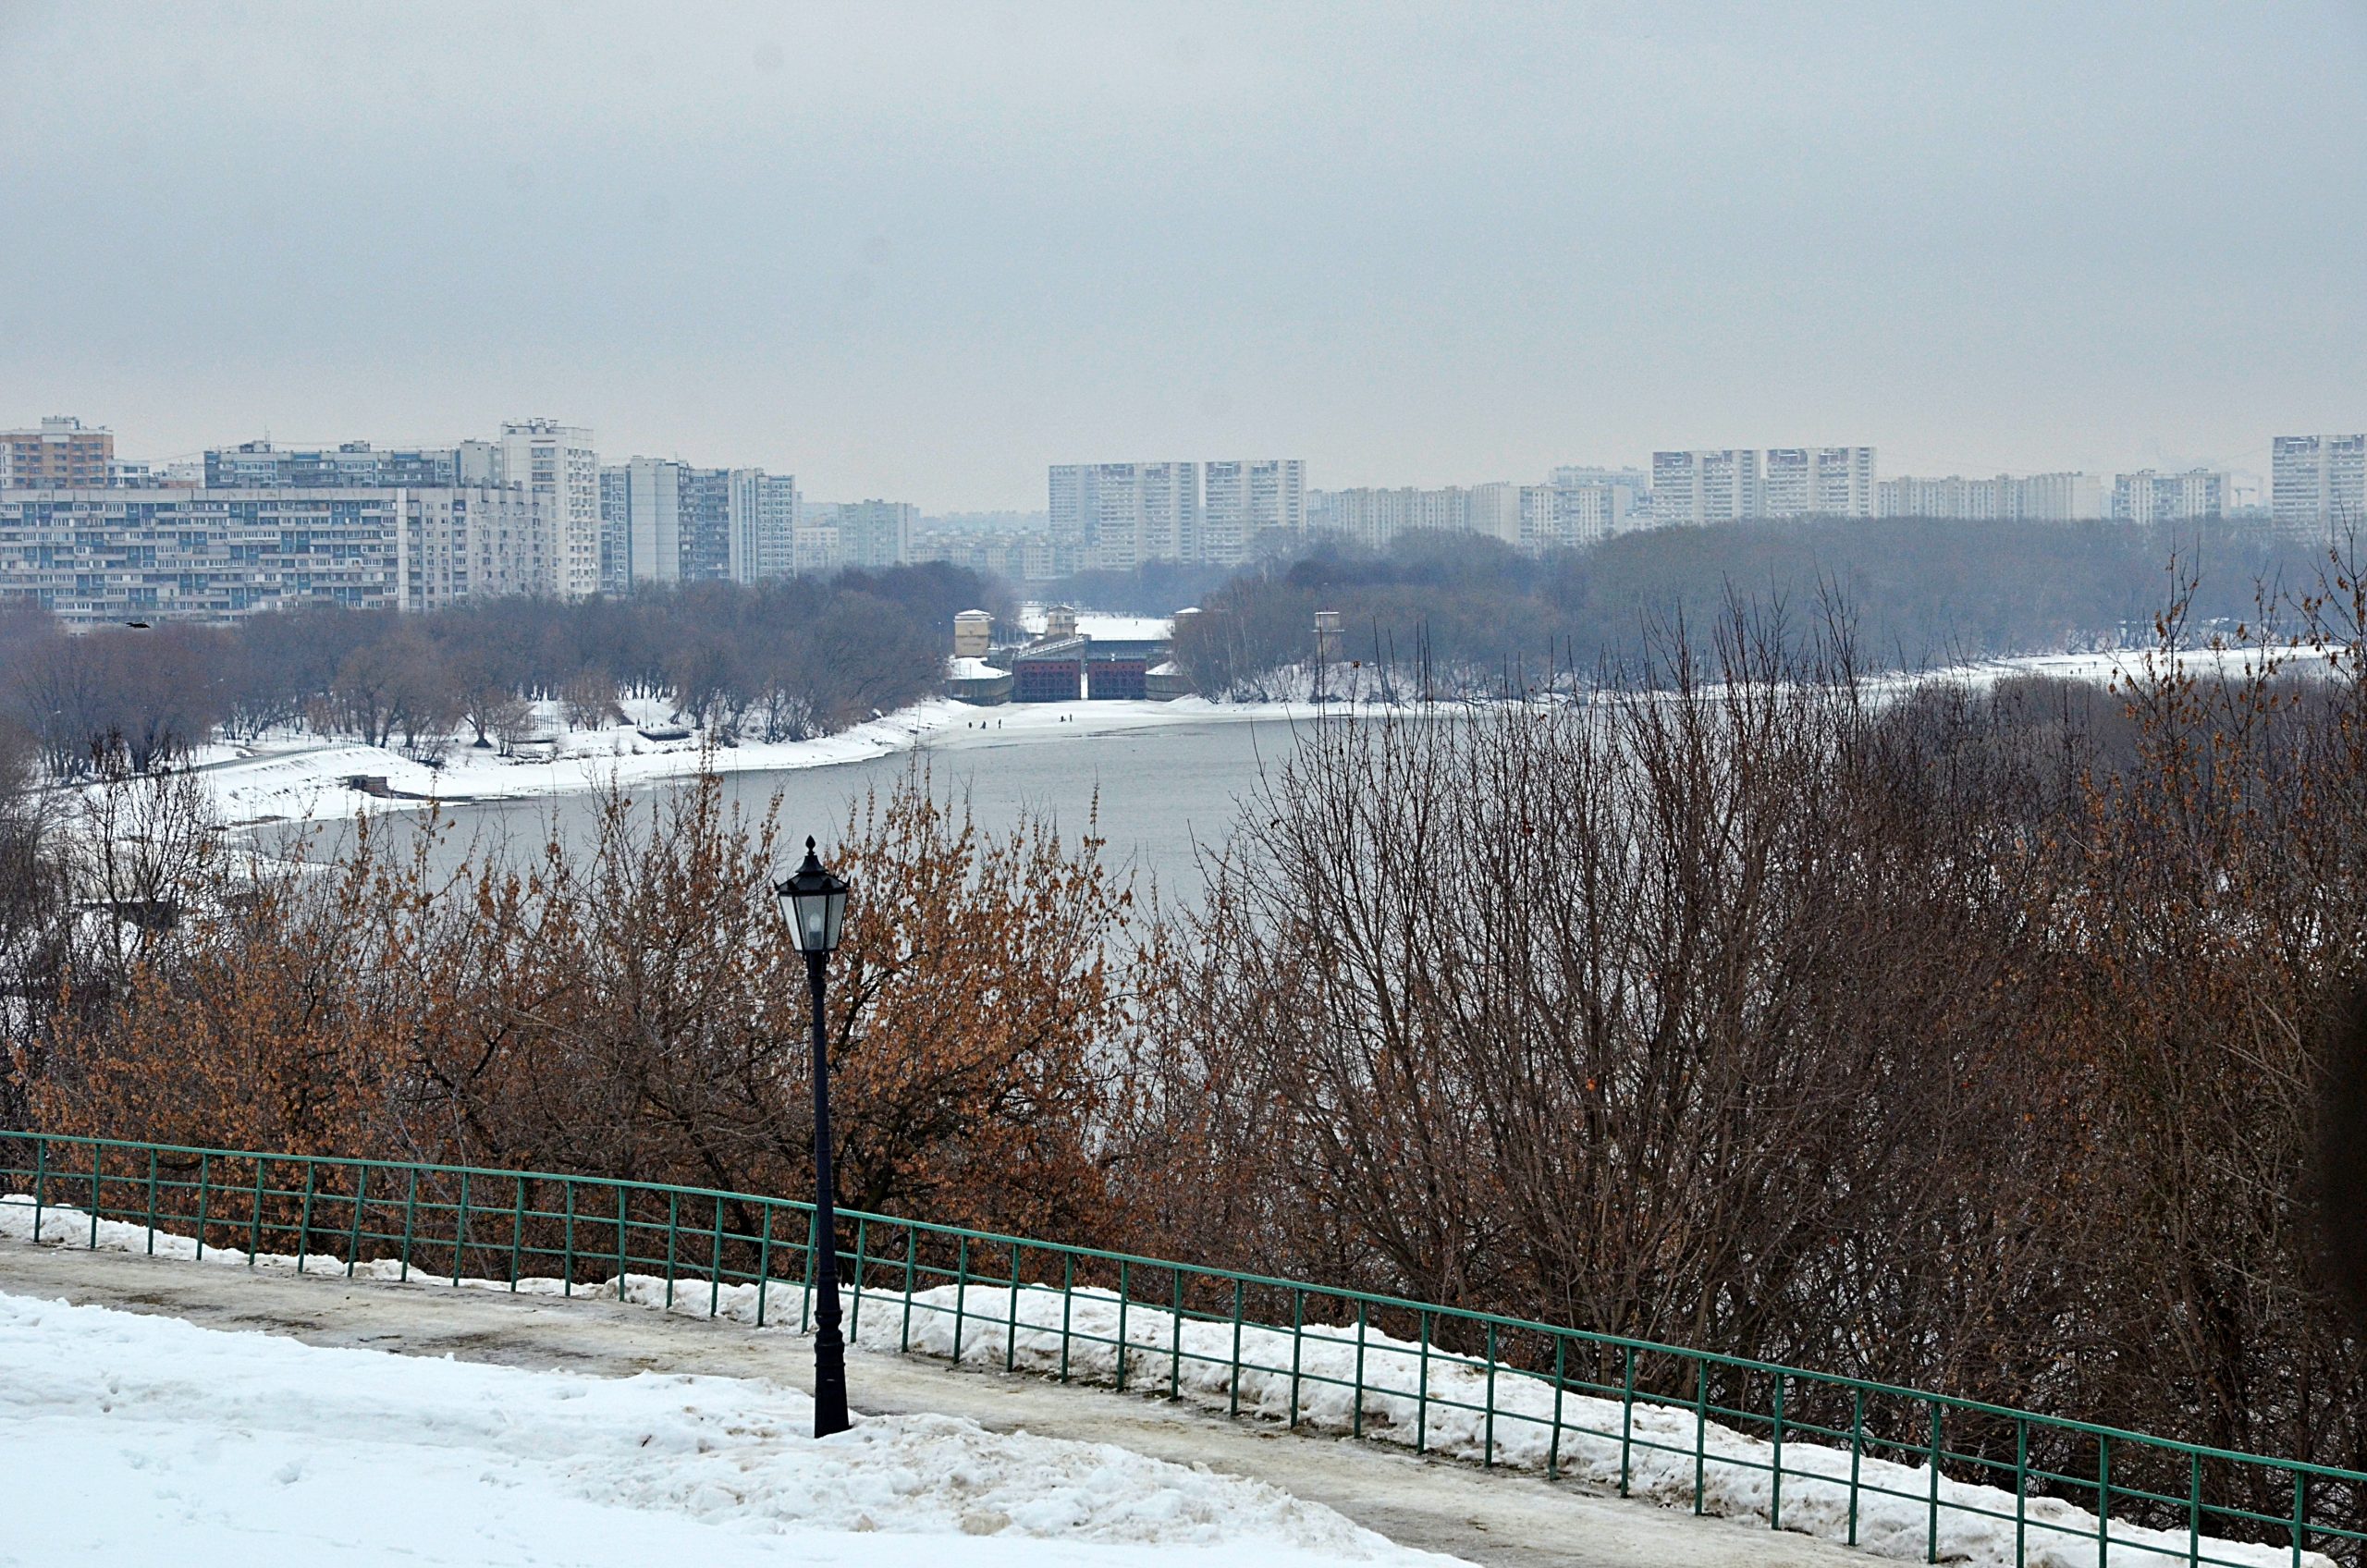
1081, 1333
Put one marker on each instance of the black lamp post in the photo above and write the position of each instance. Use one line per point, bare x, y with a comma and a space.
814, 902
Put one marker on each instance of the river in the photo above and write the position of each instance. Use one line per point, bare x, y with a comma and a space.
1161, 791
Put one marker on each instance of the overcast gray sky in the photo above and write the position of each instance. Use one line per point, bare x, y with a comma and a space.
920, 252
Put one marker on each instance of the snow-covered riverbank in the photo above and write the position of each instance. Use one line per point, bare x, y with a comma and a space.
310, 780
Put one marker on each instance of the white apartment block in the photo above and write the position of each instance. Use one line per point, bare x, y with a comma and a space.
1704, 486
1372, 517
2041, 497
468, 542
1566, 516
1633, 484
762, 519
2318, 482
2146, 496
1743, 484
1114, 517
1245, 498
1494, 509
875, 534
1797, 482
818, 537
557, 462
653, 520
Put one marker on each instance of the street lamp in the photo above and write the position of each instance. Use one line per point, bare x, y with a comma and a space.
814, 904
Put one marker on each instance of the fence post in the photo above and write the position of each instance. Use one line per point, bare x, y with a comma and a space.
517, 1235
2194, 1511
1553, 1445
1175, 1344
1857, 1453
1298, 1328
904, 1335
1775, 1471
1121, 1325
566, 1189
1488, 1441
410, 1215
1931, 1528
1626, 1412
460, 1231
805, 1287
1422, 1394
1700, 1424
41, 1186
1011, 1321
303, 1224
1232, 1397
862, 1239
961, 1305
204, 1162
1357, 1420
97, 1153
673, 1231
764, 1262
2103, 1500
621, 1240
254, 1231
1068, 1301
2300, 1495
713, 1256
2021, 1485
152, 1210
353, 1245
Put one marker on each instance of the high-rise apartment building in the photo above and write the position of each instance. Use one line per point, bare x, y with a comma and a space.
2041, 497
1566, 516
1494, 509
1113, 517
254, 465
1740, 484
2146, 496
1243, 499
94, 555
875, 534
762, 514
615, 528
61, 451
1705, 486
2318, 482
457, 543
1633, 486
557, 462
1796, 481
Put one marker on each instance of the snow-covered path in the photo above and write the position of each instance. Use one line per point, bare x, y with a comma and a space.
150, 1438
1496, 1519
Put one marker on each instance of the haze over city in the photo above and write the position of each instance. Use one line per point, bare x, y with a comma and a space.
923, 251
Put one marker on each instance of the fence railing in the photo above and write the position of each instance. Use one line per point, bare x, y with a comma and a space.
1905, 1472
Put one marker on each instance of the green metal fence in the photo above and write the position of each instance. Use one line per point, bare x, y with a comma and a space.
1898, 1469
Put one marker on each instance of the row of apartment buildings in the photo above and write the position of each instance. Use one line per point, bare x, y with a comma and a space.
1114, 517
256, 526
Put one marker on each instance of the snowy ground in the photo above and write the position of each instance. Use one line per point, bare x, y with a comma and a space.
1082, 1332
135, 1438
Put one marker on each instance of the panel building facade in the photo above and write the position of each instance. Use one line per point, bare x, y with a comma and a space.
61, 450
94, 555
2318, 482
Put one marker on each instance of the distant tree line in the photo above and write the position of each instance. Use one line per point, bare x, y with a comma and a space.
778, 661
1456, 614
